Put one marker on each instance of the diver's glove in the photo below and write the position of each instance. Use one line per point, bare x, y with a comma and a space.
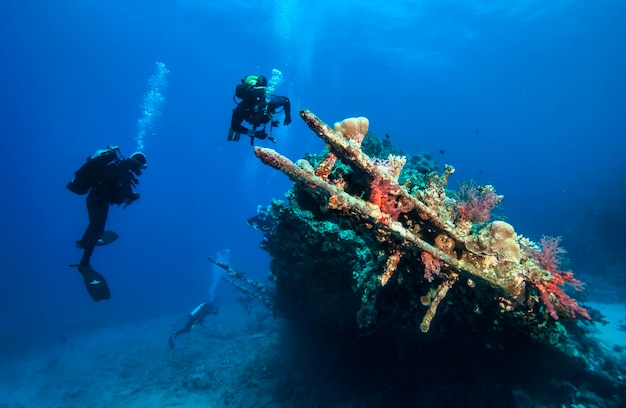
131, 199
260, 134
275, 123
287, 120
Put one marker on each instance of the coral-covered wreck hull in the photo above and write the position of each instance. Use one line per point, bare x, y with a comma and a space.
356, 237
315, 264
395, 289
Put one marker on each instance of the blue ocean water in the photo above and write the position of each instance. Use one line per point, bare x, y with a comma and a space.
526, 95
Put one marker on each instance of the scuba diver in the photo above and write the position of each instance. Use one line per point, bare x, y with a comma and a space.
197, 316
262, 221
107, 178
257, 107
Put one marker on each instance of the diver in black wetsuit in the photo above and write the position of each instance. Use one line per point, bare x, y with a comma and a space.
197, 316
257, 107
106, 178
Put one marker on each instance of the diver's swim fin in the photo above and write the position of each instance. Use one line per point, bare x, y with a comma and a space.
233, 136
172, 342
106, 238
95, 283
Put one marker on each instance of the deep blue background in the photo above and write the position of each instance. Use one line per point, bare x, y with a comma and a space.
527, 96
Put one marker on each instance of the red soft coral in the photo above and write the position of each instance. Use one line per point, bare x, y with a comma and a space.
551, 289
553, 296
385, 194
475, 203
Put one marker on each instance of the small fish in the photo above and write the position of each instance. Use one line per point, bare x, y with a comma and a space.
310, 185
442, 151
387, 136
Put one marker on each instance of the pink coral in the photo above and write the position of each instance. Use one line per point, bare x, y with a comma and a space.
549, 256
475, 203
432, 266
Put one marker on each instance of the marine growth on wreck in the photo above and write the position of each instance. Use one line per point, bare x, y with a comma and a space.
382, 241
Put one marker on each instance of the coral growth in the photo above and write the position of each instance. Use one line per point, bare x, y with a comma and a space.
408, 238
475, 203
554, 298
432, 266
497, 238
386, 195
550, 281
549, 256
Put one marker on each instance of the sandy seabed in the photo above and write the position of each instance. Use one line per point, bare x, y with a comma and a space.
218, 365
229, 362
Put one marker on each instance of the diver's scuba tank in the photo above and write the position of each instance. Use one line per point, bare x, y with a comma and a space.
196, 310
88, 174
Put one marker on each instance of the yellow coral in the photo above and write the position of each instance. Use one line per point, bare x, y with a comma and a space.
445, 243
353, 128
497, 238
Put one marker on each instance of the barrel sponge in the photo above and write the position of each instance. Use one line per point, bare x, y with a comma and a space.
353, 128
497, 238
